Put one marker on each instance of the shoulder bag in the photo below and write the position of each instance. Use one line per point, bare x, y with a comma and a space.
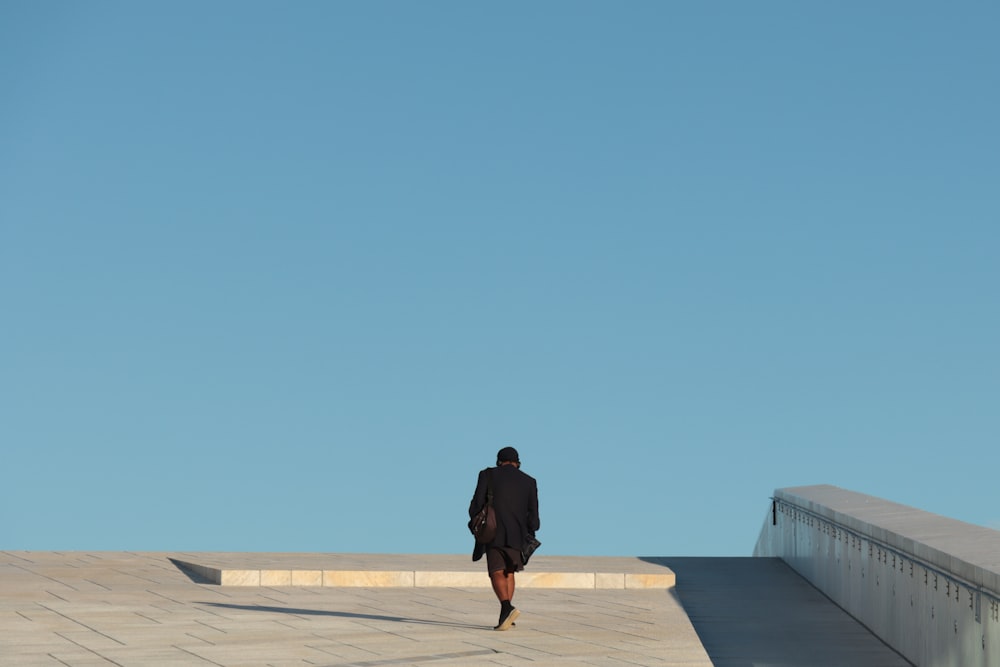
484, 524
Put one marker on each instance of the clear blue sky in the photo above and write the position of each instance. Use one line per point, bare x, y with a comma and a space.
285, 276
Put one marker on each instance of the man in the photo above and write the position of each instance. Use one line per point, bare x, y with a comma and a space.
515, 503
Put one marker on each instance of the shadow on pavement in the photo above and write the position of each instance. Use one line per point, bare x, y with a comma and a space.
750, 612
191, 574
340, 614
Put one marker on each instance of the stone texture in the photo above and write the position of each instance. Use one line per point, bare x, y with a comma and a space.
528, 579
140, 609
307, 577
609, 580
367, 578
276, 578
240, 578
451, 579
389, 570
649, 580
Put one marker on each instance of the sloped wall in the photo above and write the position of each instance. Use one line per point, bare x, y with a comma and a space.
927, 585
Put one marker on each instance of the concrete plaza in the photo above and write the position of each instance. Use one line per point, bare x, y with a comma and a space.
117, 608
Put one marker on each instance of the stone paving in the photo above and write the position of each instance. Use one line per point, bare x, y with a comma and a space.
105, 608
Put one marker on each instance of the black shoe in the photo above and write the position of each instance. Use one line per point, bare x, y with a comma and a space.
507, 620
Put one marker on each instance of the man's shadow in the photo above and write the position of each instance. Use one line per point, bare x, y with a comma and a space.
339, 614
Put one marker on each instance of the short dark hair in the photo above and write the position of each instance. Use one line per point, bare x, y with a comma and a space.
507, 454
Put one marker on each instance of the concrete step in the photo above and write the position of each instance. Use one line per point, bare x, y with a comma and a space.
420, 571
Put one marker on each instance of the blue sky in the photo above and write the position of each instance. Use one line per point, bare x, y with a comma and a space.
285, 276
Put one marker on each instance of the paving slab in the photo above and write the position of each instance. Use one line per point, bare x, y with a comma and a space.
119, 608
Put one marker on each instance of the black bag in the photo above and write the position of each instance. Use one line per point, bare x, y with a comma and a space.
530, 544
484, 524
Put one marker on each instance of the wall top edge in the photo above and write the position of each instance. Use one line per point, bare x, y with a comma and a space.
944, 542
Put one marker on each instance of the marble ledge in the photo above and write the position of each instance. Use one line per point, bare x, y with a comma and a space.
276, 577
416, 579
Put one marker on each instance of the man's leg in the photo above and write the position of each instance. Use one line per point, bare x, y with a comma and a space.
502, 580
503, 585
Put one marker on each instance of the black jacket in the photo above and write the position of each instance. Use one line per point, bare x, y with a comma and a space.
515, 502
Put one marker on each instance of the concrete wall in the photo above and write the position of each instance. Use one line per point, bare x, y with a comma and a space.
927, 585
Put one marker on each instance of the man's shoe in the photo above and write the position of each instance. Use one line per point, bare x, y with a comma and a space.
508, 620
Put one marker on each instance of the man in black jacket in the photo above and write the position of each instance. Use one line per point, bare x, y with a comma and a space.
515, 503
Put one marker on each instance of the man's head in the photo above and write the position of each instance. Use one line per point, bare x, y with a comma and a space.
508, 455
